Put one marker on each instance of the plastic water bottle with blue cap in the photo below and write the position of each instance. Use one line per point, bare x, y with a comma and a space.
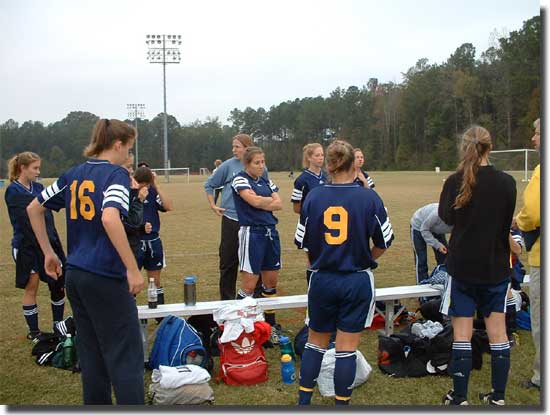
286, 347
190, 290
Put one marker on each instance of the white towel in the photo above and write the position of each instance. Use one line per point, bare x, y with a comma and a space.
174, 377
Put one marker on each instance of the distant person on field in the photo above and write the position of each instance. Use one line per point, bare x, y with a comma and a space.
529, 221
24, 170
361, 176
479, 202
102, 273
151, 253
218, 191
229, 241
427, 229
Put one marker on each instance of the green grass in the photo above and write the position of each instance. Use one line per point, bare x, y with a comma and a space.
191, 236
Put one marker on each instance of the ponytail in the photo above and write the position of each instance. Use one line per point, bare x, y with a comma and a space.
476, 143
16, 162
106, 133
340, 156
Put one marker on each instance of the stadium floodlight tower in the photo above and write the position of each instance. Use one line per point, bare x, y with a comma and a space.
136, 111
164, 49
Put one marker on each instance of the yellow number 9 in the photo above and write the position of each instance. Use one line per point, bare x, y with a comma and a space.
340, 225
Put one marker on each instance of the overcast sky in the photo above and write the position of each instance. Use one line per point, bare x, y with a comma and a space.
59, 56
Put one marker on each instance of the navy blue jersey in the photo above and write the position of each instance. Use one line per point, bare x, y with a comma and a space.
306, 182
151, 207
370, 182
84, 191
17, 198
337, 223
249, 215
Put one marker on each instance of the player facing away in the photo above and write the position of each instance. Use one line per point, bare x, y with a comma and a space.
102, 273
259, 247
24, 169
337, 223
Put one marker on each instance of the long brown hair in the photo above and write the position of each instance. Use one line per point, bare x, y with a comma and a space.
22, 159
106, 133
244, 139
476, 143
340, 157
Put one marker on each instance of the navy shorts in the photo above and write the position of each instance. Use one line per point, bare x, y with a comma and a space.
340, 301
462, 299
150, 255
259, 249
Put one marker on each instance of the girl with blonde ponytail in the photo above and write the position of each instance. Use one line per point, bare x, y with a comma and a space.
478, 201
23, 170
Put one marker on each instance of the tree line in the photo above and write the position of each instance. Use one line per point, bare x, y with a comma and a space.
412, 125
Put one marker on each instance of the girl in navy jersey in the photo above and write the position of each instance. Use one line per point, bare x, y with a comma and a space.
102, 273
312, 175
479, 202
337, 224
24, 169
361, 177
259, 246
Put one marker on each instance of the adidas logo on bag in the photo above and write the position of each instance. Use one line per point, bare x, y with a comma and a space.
244, 348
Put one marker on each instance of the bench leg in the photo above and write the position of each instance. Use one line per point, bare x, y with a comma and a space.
144, 340
389, 316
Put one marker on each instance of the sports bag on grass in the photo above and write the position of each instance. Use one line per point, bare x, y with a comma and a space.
177, 343
242, 361
325, 381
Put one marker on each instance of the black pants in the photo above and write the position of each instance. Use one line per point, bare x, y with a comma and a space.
229, 258
108, 338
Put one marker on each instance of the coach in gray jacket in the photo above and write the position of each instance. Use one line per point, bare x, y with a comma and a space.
427, 228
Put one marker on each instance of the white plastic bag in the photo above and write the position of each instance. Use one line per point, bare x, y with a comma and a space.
325, 381
238, 317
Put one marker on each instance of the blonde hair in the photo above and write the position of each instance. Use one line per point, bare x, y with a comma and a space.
476, 143
308, 151
16, 162
106, 133
536, 123
244, 139
340, 156
249, 154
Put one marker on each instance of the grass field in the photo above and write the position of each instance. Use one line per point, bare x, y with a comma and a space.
190, 236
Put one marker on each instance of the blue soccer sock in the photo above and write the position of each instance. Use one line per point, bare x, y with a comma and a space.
500, 366
344, 375
31, 316
309, 371
57, 300
460, 368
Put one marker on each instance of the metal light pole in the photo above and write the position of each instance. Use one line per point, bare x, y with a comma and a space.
136, 111
164, 49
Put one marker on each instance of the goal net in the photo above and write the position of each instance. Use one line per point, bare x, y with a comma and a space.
522, 161
203, 171
176, 173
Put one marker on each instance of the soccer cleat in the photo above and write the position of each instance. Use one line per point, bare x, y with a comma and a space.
487, 398
528, 384
451, 399
33, 335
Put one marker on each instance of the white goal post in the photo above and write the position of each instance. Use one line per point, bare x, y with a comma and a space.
203, 171
175, 171
523, 159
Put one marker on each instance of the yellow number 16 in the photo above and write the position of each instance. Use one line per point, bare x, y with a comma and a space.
86, 208
340, 224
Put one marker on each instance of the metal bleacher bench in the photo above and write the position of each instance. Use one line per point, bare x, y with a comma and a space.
389, 295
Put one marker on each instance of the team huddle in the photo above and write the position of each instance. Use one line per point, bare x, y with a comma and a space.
112, 217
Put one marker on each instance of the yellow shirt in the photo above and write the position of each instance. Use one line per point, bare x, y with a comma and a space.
528, 218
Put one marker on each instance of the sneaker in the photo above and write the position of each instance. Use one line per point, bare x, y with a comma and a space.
528, 384
33, 335
451, 399
487, 398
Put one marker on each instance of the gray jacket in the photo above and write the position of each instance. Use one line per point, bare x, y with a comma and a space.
426, 221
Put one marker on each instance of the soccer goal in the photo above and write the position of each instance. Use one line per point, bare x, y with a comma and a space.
523, 160
177, 172
203, 171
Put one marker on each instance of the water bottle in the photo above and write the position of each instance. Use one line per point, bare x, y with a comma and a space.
68, 352
152, 298
190, 290
286, 347
287, 369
